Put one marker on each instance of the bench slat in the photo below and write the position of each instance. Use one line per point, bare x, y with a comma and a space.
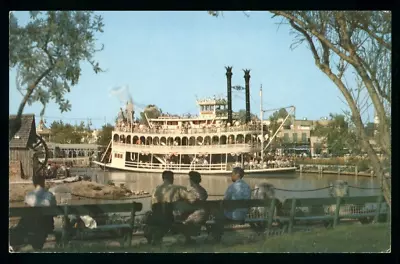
87, 209
226, 204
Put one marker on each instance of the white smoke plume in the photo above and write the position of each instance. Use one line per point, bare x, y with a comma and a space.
122, 93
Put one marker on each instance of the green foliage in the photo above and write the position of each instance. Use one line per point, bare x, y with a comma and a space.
47, 54
363, 165
339, 138
105, 134
152, 111
242, 116
370, 129
274, 124
281, 113
65, 133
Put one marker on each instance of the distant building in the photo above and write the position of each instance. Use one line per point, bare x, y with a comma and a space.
21, 154
296, 136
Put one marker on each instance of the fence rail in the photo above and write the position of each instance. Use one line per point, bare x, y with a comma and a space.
339, 169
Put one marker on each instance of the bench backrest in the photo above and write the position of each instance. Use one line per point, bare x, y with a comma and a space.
225, 204
87, 209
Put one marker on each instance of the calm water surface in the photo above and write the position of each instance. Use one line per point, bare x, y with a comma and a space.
216, 185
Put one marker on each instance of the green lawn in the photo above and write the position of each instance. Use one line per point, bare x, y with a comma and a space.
345, 238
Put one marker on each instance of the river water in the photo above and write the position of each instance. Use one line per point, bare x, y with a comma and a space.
216, 185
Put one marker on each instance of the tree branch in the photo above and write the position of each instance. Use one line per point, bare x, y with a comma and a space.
376, 37
30, 90
322, 38
309, 40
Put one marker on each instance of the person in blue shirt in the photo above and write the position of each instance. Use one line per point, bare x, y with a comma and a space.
238, 190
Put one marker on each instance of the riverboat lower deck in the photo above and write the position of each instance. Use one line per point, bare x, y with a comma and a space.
214, 169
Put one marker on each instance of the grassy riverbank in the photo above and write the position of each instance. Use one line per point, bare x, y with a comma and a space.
345, 238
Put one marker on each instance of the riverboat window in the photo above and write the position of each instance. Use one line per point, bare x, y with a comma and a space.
294, 137
118, 155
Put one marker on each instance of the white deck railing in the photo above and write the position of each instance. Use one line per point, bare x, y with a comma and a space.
193, 166
250, 129
206, 149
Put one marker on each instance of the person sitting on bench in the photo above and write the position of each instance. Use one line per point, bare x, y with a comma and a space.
195, 218
36, 227
238, 190
162, 205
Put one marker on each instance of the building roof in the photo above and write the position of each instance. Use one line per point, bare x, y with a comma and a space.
303, 122
21, 138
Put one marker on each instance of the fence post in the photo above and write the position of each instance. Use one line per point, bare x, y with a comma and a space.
270, 213
301, 168
378, 209
292, 213
132, 225
336, 218
64, 237
356, 171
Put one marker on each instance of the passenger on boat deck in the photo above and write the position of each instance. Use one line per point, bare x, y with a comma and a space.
238, 190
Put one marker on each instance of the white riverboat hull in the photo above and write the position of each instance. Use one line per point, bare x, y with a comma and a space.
203, 172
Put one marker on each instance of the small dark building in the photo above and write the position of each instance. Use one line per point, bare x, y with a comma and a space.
21, 143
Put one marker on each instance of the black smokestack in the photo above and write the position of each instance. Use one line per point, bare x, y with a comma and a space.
229, 92
247, 88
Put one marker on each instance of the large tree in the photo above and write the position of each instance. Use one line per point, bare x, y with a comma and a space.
65, 133
356, 45
47, 54
151, 111
338, 137
105, 134
242, 116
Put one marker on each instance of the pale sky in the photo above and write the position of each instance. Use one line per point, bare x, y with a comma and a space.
169, 58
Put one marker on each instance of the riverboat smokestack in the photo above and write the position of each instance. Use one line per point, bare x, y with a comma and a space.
229, 92
247, 88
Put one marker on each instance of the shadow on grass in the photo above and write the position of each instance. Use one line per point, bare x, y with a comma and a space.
351, 238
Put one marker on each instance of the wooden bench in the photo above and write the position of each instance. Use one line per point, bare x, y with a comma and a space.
287, 214
67, 233
216, 208
319, 210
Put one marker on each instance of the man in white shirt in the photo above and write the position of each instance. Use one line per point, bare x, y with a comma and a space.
35, 227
